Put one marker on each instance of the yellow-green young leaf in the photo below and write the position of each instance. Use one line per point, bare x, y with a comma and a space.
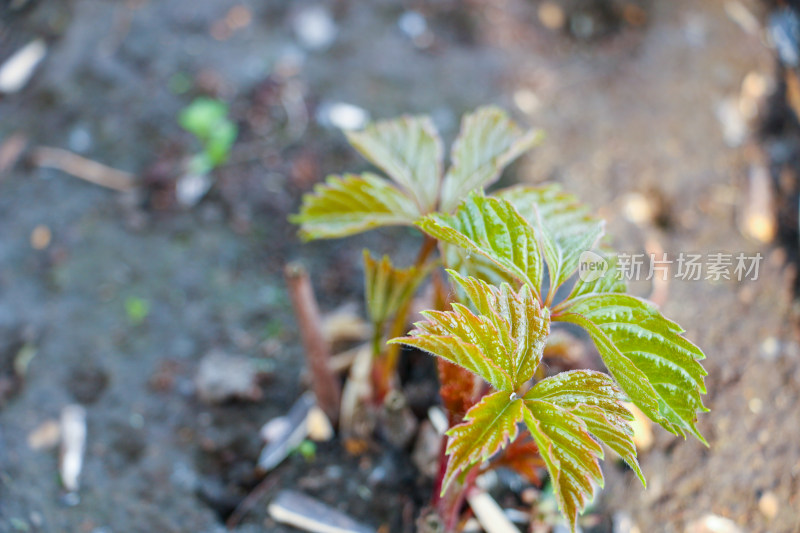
388, 288
556, 208
409, 150
487, 428
488, 141
494, 229
645, 352
464, 339
351, 204
567, 227
594, 398
521, 323
570, 453
503, 344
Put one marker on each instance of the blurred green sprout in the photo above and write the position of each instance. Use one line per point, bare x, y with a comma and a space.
307, 449
137, 310
207, 119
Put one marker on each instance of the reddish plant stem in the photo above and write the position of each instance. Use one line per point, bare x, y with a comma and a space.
324, 382
437, 486
440, 294
450, 507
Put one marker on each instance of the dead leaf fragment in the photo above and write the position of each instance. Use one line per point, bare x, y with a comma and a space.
46, 435
305, 513
222, 377
345, 324
73, 444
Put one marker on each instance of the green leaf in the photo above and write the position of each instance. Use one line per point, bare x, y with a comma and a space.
569, 452
388, 288
549, 202
409, 150
487, 428
494, 229
594, 398
503, 344
645, 352
567, 227
352, 204
464, 339
202, 116
489, 140
219, 143
521, 323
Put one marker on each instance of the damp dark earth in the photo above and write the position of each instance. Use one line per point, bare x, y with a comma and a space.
142, 294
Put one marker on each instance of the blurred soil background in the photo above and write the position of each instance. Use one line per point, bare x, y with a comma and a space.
654, 113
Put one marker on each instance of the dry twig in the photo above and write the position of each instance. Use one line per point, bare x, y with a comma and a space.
323, 380
83, 168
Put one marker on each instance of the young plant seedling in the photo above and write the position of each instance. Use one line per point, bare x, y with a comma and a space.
207, 119
410, 152
510, 257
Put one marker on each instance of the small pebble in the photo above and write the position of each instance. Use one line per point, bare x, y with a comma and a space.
711, 523
136, 420
191, 188
551, 15
527, 101
623, 523
80, 140
319, 427
770, 348
343, 116
768, 505
45, 436
758, 218
734, 125
756, 87
19, 68
71, 499
41, 237
755, 405
637, 208
315, 28
413, 24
